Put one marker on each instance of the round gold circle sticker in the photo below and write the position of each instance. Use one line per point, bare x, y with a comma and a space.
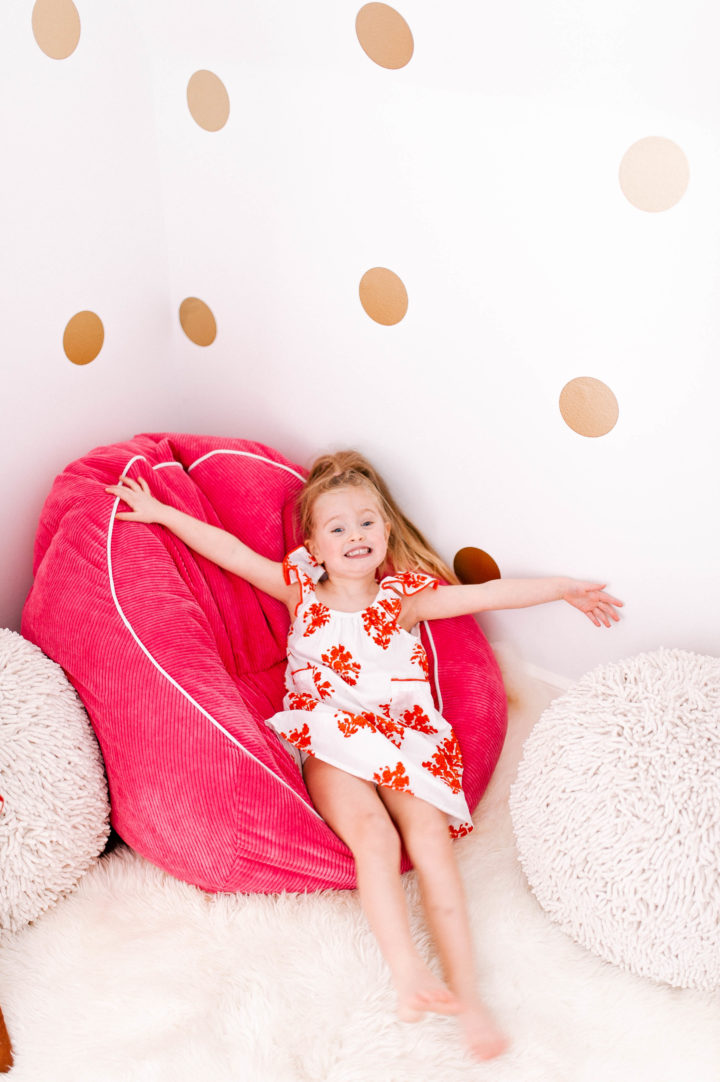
383, 296
474, 565
198, 322
588, 406
208, 100
56, 27
654, 174
83, 338
384, 35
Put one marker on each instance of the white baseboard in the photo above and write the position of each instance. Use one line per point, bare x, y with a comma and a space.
552, 678
509, 659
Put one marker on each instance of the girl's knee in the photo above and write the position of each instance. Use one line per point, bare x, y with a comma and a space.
374, 834
426, 835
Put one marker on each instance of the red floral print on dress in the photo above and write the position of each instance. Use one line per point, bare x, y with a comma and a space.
315, 615
417, 719
388, 726
380, 620
411, 582
393, 779
292, 567
341, 661
447, 763
299, 737
324, 687
293, 573
349, 723
301, 701
419, 657
460, 832
390, 729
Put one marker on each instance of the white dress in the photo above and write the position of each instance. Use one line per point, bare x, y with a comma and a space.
359, 696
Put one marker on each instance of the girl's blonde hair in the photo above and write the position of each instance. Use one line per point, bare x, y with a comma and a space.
407, 548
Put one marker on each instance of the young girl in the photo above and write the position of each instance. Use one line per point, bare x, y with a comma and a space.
359, 708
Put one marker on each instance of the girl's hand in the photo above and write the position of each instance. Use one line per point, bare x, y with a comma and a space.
590, 598
209, 541
136, 494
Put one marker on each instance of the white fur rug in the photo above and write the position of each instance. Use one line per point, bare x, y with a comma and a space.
138, 978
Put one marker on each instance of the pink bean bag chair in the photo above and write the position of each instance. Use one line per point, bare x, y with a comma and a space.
179, 664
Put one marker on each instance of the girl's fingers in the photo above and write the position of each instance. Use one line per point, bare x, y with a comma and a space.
606, 613
601, 614
599, 589
126, 485
136, 485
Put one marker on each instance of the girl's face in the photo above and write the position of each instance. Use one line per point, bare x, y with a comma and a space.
349, 534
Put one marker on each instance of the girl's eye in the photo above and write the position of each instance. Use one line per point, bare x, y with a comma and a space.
336, 529
368, 523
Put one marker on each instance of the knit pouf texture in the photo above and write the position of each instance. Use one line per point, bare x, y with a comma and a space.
616, 812
54, 818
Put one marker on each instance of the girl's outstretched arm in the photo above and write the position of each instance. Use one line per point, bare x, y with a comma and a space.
588, 597
215, 544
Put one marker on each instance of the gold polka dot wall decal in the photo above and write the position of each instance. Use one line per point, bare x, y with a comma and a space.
588, 406
384, 35
474, 565
198, 322
383, 296
654, 174
208, 100
83, 338
56, 27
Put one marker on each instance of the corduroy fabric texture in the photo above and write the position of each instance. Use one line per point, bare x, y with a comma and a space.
179, 664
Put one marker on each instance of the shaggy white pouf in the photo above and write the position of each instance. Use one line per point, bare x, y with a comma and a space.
54, 821
616, 810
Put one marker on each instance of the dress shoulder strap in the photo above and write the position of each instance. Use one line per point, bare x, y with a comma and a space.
409, 582
301, 566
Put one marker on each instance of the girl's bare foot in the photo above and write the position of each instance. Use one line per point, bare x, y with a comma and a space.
482, 1037
420, 991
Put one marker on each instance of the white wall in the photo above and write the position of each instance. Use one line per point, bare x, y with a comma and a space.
484, 174
83, 229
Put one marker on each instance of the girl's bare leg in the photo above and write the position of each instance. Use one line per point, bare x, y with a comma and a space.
352, 808
425, 833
